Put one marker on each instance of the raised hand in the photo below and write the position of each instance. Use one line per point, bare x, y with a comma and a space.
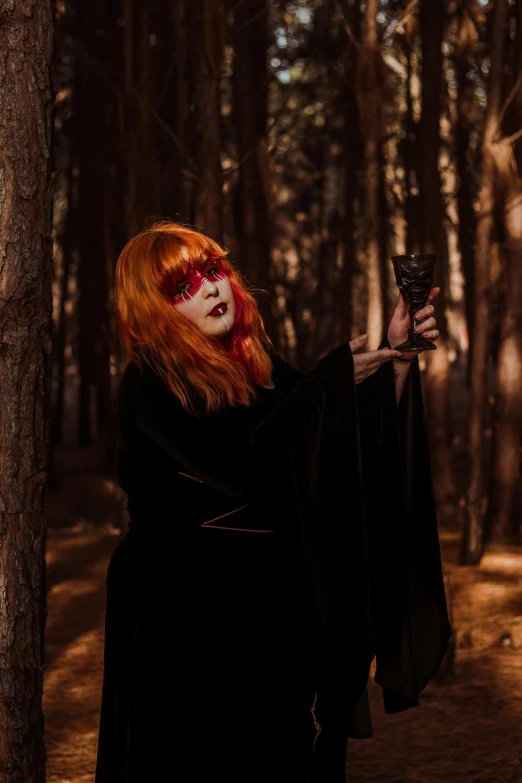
366, 364
399, 324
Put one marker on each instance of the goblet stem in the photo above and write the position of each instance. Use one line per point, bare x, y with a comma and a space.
415, 341
413, 336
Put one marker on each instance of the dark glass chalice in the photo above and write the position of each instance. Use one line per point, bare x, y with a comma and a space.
414, 275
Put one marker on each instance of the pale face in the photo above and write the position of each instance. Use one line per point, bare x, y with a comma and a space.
205, 298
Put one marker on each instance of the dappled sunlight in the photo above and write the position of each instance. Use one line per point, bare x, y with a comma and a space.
74, 651
470, 729
467, 730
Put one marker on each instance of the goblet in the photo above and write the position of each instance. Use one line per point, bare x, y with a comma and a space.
414, 275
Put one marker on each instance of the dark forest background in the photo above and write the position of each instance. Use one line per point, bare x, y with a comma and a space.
315, 139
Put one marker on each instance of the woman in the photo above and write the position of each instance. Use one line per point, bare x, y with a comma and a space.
262, 571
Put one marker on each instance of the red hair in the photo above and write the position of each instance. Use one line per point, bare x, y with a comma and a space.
151, 329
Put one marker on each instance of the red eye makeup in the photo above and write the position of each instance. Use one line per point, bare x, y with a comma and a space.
188, 287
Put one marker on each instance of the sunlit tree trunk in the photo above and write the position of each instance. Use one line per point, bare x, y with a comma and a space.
503, 523
253, 194
369, 79
473, 537
205, 21
465, 39
433, 240
518, 75
503, 514
26, 39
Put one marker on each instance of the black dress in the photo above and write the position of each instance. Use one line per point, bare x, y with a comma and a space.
261, 574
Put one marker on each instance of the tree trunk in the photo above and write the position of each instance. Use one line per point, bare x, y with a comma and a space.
433, 240
352, 149
176, 175
369, 77
26, 39
409, 146
329, 231
473, 536
253, 194
206, 36
466, 116
518, 73
59, 342
93, 312
502, 517
503, 513
352, 145
384, 234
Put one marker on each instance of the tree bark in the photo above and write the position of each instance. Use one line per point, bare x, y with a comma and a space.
253, 194
409, 147
353, 144
473, 536
433, 240
369, 77
26, 38
176, 175
517, 73
93, 275
206, 36
353, 153
503, 514
465, 35
503, 524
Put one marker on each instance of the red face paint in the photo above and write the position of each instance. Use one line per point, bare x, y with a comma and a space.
186, 288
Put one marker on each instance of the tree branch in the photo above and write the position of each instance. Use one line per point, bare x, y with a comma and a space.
347, 28
408, 13
512, 138
508, 100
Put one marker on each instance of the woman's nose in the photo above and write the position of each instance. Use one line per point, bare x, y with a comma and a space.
211, 289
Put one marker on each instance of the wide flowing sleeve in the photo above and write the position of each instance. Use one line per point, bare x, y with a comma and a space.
358, 467
312, 442
410, 617
344, 471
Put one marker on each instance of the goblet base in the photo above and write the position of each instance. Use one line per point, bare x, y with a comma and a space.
419, 344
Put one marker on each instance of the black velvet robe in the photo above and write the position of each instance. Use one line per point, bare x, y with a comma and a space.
273, 552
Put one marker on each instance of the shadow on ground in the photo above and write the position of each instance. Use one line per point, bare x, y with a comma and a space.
469, 730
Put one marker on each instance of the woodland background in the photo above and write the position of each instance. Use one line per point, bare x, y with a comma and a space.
315, 139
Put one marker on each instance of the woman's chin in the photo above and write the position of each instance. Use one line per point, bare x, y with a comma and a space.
220, 330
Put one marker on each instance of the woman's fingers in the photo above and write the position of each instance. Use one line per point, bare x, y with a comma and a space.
358, 342
425, 312
433, 293
376, 358
429, 323
380, 356
431, 335
368, 363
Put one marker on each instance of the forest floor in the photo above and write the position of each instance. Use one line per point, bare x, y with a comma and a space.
469, 729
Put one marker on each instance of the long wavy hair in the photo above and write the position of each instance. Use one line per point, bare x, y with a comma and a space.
152, 330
